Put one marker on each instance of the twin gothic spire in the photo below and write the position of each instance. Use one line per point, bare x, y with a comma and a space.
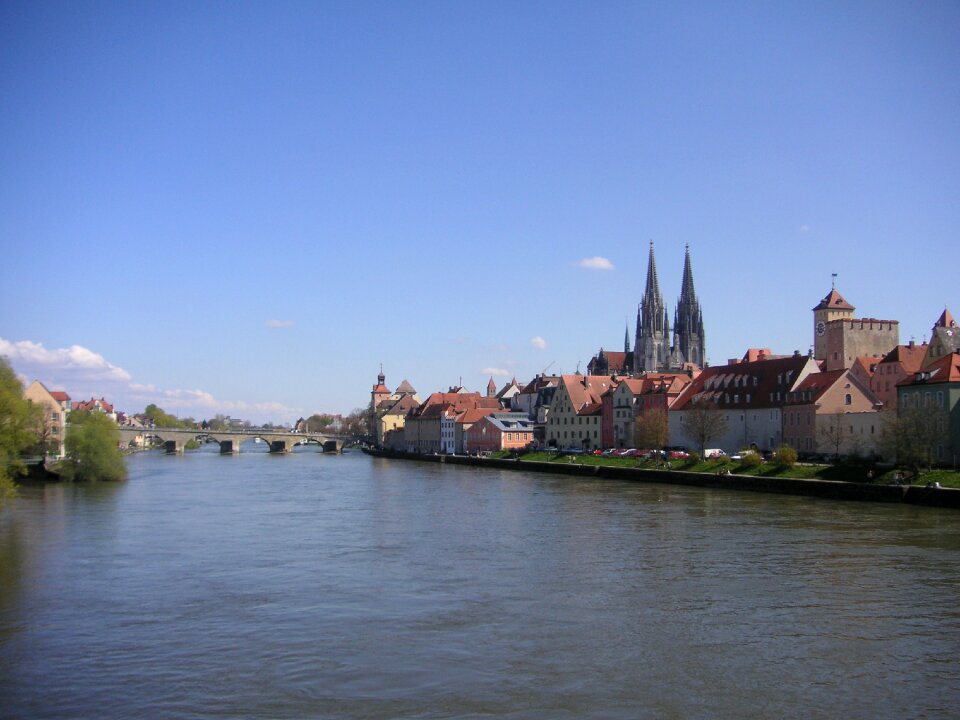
653, 350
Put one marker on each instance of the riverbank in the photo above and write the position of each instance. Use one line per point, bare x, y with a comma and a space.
826, 489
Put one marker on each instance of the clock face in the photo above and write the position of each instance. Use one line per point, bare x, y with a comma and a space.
821, 327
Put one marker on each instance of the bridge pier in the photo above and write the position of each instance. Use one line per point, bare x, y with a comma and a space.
173, 447
281, 446
229, 447
334, 446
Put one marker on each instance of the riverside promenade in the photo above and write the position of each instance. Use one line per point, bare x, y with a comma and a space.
826, 489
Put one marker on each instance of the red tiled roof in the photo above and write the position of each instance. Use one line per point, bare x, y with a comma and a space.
538, 383
754, 354
731, 385
615, 360
472, 415
60, 396
867, 363
816, 384
944, 370
92, 403
591, 409
945, 320
834, 301
458, 401
585, 389
657, 383
910, 357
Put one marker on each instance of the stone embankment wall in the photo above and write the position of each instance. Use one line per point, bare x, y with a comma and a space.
829, 489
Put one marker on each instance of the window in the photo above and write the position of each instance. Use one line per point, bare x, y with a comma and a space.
847, 399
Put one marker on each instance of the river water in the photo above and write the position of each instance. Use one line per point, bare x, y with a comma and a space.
324, 586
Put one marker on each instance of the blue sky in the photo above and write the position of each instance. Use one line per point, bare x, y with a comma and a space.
247, 207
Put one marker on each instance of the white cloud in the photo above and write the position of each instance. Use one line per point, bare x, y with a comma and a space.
184, 401
804, 228
538, 342
596, 263
279, 323
495, 371
82, 372
75, 359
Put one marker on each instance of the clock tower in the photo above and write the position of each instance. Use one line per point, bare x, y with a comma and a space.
832, 307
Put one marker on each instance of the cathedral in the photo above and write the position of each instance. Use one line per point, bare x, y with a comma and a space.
655, 349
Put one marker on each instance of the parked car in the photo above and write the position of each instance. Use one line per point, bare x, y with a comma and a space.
679, 454
714, 453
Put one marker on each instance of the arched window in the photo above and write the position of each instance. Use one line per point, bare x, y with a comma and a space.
847, 399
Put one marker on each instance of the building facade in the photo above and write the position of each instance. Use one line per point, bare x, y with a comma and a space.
55, 406
839, 338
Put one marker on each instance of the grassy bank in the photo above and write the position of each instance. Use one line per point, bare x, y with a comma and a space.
841, 472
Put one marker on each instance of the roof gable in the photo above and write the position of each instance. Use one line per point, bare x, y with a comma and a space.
834, 301
760, 384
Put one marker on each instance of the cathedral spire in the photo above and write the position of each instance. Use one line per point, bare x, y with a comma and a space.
687, 284
653, 324
653, 286
688, 320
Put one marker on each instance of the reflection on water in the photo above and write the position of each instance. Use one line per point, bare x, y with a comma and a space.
325, 586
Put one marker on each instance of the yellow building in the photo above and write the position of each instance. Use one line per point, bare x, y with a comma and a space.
55, 406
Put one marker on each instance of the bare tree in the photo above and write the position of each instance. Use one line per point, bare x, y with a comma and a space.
651, 430
911, 436
357, 422
703, 423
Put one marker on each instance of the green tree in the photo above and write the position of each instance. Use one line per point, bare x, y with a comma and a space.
750, 459
318, 422
219, 422
786, 457
93, 448
18, 423
163, 419
704, 422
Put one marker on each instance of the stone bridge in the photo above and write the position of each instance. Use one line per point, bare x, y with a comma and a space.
175, 439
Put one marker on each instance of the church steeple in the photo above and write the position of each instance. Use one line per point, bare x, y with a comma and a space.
653, 325
688, 338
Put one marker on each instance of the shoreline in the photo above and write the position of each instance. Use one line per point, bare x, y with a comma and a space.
825, 489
